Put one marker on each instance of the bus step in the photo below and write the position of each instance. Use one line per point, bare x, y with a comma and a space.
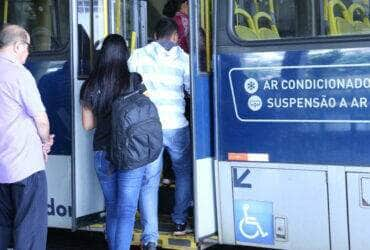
168, 241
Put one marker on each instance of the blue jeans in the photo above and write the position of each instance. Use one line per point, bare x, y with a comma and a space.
122, 191
177, 143
23, 213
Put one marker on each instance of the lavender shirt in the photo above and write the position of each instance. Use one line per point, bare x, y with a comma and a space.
20, 145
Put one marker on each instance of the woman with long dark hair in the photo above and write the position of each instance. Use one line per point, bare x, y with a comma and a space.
121, 188
178, 10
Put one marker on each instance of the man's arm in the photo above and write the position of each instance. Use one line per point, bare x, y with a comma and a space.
42, 125
34, 107
43, 130
186, 76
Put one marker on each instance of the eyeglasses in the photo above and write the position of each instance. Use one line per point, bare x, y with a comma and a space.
29, 46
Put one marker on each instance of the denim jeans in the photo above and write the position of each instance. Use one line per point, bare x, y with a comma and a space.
23, 213
123, 190
177, 143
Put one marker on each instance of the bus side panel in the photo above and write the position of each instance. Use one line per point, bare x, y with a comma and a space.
277, 207
296, 139
322, 134
58, 173
358, 209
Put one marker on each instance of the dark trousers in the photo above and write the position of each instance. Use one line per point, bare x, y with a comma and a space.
23, 213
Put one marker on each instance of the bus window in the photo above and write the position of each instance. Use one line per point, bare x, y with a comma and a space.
3, 12
262, 20
45, 20
282, 19
92, 29
205, 30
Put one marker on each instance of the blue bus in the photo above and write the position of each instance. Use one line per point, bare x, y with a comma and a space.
291, 123
279, 115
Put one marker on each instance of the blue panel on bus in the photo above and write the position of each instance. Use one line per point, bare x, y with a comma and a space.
309, 107
203, 117
54, 83
253, 222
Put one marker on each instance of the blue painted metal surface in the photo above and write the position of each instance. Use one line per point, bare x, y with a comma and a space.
54, 83
203, 117
297, 133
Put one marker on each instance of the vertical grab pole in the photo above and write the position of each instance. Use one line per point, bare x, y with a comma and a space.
124, 19
133, 41
117, 17
105, 14
6, 5
208, 33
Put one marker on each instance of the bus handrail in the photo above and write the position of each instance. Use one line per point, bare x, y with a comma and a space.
333, 29
6, 4
353, 8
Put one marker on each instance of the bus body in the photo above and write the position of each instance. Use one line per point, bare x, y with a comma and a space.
279, 115
291, 83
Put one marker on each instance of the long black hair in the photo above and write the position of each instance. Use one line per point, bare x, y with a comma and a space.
171, 7
109, 78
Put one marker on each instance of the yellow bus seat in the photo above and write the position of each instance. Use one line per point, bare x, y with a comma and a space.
269, 32
344, 27
360, 26
247, 31
339, 25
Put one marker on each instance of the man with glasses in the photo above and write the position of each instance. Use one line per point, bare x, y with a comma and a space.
24, 144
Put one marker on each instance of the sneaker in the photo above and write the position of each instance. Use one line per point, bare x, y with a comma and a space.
150, 246
180, 229
166, 182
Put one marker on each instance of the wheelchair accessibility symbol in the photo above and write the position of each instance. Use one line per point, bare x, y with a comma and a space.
254, 222
248, 220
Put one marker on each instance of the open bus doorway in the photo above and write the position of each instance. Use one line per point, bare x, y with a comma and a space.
198, 112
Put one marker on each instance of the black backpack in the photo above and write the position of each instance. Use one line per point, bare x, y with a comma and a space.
137, 137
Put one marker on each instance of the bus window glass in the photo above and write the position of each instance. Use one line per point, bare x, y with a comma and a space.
92, 29
100, 21
3, 12
84, 29
283, 19
204, 33
46, 21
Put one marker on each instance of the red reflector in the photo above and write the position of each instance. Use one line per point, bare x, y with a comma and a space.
237, 156
248, 157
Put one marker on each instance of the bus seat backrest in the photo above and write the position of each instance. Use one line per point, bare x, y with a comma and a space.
248, 31
344, 27
269, 32
245, 33
339, 24
362, 25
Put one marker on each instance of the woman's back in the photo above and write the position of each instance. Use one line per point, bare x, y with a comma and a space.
108, 79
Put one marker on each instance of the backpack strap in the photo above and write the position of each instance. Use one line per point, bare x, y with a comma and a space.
135, 87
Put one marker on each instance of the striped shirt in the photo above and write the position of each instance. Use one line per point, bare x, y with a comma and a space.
166, 76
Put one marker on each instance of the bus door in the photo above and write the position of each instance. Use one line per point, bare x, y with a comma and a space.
47, 22
90, 24
292, 123
202, 120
